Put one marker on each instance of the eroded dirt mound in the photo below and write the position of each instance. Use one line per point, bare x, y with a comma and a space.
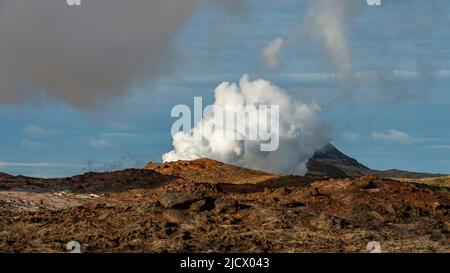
208, 170
150, 211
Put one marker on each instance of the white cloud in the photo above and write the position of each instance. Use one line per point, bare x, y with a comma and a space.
100, 143
310, 77
443, 161
360, 77
26, 143
38, 131
442, 74
394, 136
440, 146
39, 165
120, 126
118, 134
350, 136
406, 74
271, 53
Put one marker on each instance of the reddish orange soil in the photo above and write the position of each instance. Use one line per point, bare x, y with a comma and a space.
208, 206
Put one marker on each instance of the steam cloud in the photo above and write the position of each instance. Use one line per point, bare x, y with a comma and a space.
301, 131
327, 22
88, 54
271, 53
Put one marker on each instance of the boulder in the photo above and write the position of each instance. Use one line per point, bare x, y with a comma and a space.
225, 205
179, 200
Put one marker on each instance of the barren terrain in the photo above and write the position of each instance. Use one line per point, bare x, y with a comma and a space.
208, 206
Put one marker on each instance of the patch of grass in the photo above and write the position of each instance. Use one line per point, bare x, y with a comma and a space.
442, 181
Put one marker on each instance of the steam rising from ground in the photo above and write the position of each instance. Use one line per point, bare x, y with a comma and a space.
327, 23
271, 53
301, 131
85, 55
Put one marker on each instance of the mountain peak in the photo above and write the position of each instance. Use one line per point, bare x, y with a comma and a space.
329, 161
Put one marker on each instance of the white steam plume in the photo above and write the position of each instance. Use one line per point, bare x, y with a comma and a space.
327, 23
301, 131
271, 53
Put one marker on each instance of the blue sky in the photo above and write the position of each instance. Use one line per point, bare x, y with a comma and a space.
400, 121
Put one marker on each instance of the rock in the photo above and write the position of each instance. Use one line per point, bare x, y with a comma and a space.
372, 186
436, 206
282, 191
169, 227
177, 216
153, 208
313, 192
208, 188
179, 200
103, 217
447, 226
342, 223
289, 203
322, 222
377, 216
4, 201
364, 184
135, 242
225, 205
36, 243
369, 177
199, 205
186, 236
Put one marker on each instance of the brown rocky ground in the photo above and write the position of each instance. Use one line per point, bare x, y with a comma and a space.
208, 206
208, 170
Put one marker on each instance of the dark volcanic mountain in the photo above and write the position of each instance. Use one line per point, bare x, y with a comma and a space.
333, 163
330, 162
